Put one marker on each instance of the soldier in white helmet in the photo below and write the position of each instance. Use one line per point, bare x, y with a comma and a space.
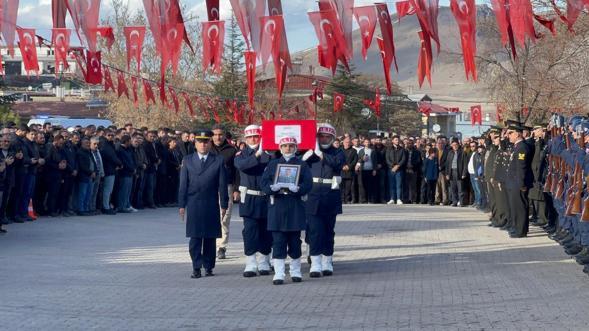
325, 201
251, 163
286, 210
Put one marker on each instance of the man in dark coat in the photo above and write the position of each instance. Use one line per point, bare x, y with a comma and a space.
139, 178
125, 173
55, 171
520, 180
251, 163
286, 212
325, 200
456, 172
412, 172
6, 156
223, 148
86, 177
397, 162
111, 163
203, 191
153, 161
348, 171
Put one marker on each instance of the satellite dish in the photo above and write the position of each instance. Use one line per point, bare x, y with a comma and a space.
365, 112
437, 128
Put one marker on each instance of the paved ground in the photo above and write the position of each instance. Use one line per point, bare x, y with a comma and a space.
396, 268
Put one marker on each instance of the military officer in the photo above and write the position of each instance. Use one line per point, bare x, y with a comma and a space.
493, 141
503, 153
325, 201
519, 183
539, 167
203, 198
286, 211
251, 163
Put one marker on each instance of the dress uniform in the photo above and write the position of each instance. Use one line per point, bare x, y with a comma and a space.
251, 163
325, 201
202, 191
519, 183
539, 166
286, 211
489, 171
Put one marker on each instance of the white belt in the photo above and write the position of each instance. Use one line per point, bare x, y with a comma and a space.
244, 190
322, 180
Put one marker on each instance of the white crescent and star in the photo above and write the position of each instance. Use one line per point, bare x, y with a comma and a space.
215, 13
173, 32
272, 32
213, 28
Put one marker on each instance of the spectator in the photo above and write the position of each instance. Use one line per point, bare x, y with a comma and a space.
87, 175
431, 173
126, 173
396, 160
456, 173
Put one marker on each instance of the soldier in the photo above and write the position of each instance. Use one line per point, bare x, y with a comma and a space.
286, 212
493, 142
519, 183
251, 163
325, 201
539, 167
203, 191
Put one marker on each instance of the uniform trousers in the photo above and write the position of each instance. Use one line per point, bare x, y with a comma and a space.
491, 200
501, 204
321, 234
202, 252
286, 242
518, 211
226, 221
256, 237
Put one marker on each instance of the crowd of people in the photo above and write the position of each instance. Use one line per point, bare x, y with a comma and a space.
508, 172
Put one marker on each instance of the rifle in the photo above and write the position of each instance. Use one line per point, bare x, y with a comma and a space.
548, 183
576, 192
585, 214
559, 190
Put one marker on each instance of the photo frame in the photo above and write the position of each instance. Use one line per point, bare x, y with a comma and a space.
287, 174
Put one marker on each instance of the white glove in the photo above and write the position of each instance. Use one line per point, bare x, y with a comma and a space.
275, 187
293, 188
307, 155
319, 153
260, 150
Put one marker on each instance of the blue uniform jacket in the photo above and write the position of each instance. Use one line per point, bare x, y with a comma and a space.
322, 199
202, 190
251, 169
287, 213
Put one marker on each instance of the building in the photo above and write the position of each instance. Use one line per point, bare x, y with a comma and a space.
45, 56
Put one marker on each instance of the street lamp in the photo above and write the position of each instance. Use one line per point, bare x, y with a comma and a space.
315, 84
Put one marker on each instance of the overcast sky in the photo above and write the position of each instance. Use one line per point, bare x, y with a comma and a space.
300, 33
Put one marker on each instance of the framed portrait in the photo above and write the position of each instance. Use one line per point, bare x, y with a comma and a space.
287, 174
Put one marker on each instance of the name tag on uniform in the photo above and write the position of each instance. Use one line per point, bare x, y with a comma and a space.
521, 156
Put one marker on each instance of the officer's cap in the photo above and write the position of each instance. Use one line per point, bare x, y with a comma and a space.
203, 134
517, 127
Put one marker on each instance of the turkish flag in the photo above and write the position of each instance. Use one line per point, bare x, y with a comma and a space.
148, 92
134, 90
547, 23
85, 15
377, 103
163, 98
386, 29
175, 100
8, 14
404, 8
280, 71
465, 13
213, 36
270, 38
338, 102
134, 37
58, 12
425, 108
345, 12
331, 38
275, 8
108, 84
424, 62
213, 10
188, 102
93, 67
250, 69
366, 17
574, 8
248, 14
521, 18
427, 14
122, 85
386, 68
164, 15
106, 32
28, 49
172, 37
476, 115
60, 38
502, 15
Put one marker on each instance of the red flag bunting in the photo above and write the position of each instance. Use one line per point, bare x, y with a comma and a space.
522, 20
213, 10
108, 84
547, 23
148, 92
366, 17
213, 34
465, 13
28, 49
331, 39
8, 23
248, 14
387, 68
163, 98
134, 91
574, 8
188, 102
134, 36
175, 100
271, 34
274, 9
386, 28
58, 13
106, 32
85, 15
427, 14
424, 62
122, 85
93, 67
172, 39
60, 38
250, 67
476, 115
404, 8
377, 103
338, 102
425, 108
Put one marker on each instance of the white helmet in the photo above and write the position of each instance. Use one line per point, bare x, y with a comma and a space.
252, 130
325, 128
287, 141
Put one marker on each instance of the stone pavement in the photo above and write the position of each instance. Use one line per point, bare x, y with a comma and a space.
397, 268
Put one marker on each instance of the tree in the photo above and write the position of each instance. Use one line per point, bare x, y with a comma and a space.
231, 84
6, 115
